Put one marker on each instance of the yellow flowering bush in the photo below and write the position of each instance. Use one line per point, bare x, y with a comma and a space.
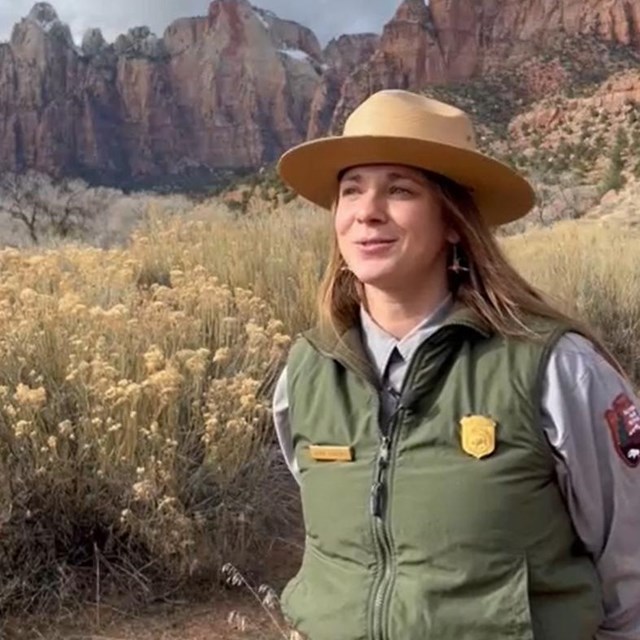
133, 425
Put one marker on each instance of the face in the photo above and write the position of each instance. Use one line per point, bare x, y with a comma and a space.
390, 227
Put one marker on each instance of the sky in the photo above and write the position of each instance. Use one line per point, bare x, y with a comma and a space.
327, 18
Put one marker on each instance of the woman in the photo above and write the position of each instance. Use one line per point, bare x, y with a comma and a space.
467, 455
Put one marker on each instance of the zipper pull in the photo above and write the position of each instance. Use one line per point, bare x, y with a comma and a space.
377, 490
376, 499
385, 451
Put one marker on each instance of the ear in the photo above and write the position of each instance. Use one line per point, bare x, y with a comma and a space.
452, 236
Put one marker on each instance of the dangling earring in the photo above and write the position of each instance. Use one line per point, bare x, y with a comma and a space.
456, 265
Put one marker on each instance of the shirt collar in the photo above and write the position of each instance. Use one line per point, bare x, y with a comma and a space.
380, 345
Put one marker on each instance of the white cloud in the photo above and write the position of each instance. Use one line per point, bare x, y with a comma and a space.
327, 18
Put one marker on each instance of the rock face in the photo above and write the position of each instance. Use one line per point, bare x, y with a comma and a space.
289, 35
617, 98
615, 20
235, 88
408, 56
231, 89
342, 55
346, 53
243, 91
453, 40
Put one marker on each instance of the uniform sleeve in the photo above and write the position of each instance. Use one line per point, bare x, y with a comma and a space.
590, 415
282, 424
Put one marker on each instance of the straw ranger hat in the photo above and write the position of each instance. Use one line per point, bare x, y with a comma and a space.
400, 127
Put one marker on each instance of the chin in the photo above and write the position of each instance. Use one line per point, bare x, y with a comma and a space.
377, 279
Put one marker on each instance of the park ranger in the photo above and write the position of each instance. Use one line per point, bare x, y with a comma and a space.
468, 456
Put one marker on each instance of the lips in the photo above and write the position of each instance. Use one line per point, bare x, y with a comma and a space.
375, 247
375, 241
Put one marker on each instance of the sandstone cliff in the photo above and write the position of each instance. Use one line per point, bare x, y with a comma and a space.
235, 88
342, 55
445, 41
232, 89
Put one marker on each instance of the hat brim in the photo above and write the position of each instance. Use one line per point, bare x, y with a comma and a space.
311, 169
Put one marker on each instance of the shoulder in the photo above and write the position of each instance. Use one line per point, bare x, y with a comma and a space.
527, 344
302, 346
306, 355
577, 372
575, 357
557, 354
573, 344
559, 344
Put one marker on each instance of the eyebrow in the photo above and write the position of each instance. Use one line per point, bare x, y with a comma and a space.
392, 175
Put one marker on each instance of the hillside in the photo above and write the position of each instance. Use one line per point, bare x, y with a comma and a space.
569, 118
233, 89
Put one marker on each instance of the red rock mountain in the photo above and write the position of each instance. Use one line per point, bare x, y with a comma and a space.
230, 89
453, 40
236, 87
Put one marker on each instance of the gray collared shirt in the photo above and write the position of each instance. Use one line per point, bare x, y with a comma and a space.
602, 493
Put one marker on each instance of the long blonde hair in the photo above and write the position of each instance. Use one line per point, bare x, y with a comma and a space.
492, 288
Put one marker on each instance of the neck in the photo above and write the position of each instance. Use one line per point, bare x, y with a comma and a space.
399, 311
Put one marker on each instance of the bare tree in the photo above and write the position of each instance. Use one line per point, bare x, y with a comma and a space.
21, 200
76, 207
62, 209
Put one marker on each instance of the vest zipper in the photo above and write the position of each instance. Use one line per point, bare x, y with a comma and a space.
381, 533
380, 491
380, 488
381, 539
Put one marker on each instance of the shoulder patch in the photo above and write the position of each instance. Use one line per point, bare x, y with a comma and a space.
623, 419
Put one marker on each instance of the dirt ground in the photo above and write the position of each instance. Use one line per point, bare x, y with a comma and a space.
233, 614
231, 617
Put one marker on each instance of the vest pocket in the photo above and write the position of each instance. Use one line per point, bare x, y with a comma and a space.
520, 626
474, 598
327, 600
505, 612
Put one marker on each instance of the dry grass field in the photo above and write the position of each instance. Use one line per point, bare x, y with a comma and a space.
136, 449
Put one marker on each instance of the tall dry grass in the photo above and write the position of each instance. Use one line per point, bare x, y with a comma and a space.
135, 440
593, 272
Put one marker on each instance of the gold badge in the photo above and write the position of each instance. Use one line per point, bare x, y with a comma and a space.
331, 453
478, 436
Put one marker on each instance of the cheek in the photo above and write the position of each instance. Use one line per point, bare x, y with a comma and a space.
340, 228
342, 224
342, 220
427, 234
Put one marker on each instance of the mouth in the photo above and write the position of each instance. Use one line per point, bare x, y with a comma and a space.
375, 247
375, 242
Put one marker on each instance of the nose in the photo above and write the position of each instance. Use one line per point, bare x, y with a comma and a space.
371, 208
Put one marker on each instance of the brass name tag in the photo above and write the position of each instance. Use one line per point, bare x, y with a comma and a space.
331, 454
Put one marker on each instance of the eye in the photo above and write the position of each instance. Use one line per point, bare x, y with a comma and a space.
348, 190
403, 191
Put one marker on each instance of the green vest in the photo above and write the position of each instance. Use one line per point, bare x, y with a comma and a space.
429, 533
